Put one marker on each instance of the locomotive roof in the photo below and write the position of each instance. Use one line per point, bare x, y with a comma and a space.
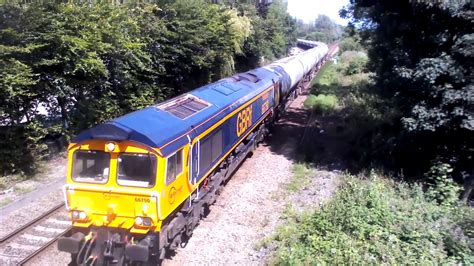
167, 125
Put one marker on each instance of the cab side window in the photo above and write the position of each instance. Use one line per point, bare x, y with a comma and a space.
174, 166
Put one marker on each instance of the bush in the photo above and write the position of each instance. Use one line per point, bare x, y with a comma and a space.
377, 222
441, 186
321, 103
353, 62
350, 44
356, 66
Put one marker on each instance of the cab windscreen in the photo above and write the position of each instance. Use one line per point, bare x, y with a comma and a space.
136, 169
90, 166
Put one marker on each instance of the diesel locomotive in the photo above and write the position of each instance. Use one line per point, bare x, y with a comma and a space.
138, 185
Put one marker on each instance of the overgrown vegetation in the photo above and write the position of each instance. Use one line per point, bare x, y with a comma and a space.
404, 89
321, 103
404, 106
350, 122
421, 54
66, 66
377, 221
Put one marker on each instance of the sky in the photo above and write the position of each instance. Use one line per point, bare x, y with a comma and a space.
308, 10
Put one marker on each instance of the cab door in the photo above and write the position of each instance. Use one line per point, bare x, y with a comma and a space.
175, 180
194, 162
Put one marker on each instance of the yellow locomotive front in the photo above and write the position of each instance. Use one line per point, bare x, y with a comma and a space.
116, 191
114, 185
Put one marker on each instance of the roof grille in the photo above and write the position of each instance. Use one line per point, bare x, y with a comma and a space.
249, 77
184, 106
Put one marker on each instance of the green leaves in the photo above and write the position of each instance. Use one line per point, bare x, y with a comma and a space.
422, 55
73, 65
376, 221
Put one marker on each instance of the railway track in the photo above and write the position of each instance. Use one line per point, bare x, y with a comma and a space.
25, 242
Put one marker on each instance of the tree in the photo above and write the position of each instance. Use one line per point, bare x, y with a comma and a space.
323, 29
68, 66
422, 53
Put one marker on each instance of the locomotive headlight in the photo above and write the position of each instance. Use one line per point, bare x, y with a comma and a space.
138, 221
75, 215
79, 215
143, 221
110, 146
82, 215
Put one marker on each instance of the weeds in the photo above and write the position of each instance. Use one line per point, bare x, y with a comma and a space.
322, 103
441, 186
352, 123
377, 221
23, 190
5, 201
301, 177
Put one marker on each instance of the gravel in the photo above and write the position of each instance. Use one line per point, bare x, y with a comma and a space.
322, 186
25, 212
54, 171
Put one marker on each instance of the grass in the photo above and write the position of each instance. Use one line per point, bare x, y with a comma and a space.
10, 180
301, 177
376, 221
23, 190
321, 103
5, 201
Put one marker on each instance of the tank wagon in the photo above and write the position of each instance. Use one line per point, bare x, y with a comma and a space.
139, 184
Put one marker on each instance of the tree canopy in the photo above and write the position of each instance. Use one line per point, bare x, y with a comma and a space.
323, 29
68, 66
422, 55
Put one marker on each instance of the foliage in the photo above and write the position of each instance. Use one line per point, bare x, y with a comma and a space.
270, 38
442, 188
68, 66
323, 29
421, 53
350, 44
377, 221
356, 65
356, 134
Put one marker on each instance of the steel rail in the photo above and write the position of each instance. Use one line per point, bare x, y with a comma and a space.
43, 247
30, 223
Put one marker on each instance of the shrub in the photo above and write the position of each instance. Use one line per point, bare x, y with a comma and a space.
441, 187
356, 65
377, 221
350, 44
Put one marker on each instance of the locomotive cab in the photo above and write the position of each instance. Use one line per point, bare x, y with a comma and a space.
104, 178
116, 190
